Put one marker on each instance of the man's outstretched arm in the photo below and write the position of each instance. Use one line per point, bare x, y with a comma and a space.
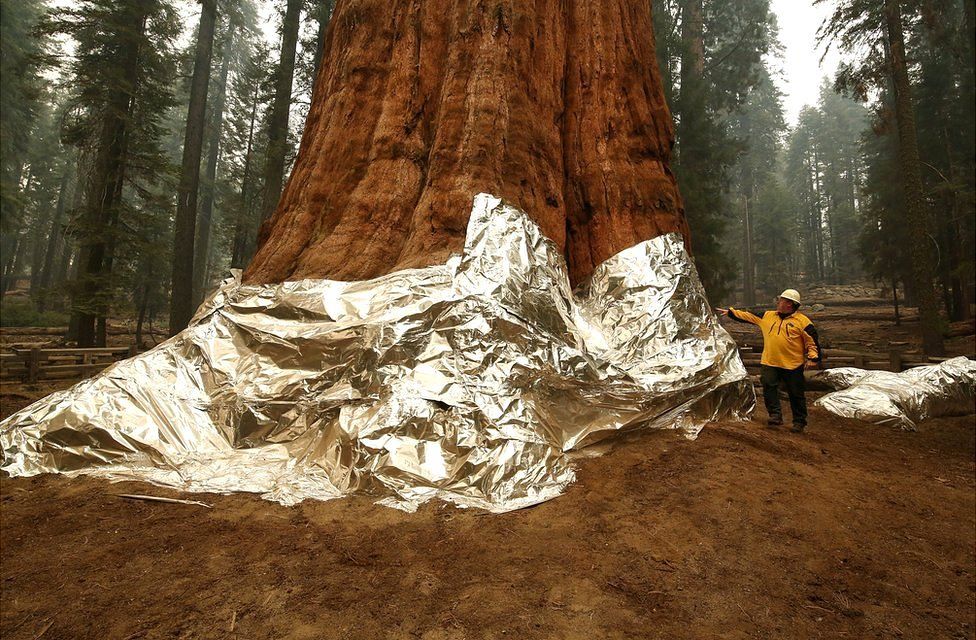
741, 316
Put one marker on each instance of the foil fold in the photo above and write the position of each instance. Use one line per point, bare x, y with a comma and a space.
470, 382
902, 399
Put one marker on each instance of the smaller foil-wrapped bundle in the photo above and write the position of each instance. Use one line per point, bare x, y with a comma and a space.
903, 399
468, 381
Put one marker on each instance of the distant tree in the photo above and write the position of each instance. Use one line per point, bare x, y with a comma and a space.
884, 236
22, 56
121, 73
202, 244
181, 288
758, 128
775, 236
945, 134
710, 54
248, 140
274, 166
824, 165
877, 28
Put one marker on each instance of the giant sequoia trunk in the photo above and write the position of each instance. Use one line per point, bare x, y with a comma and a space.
556, 106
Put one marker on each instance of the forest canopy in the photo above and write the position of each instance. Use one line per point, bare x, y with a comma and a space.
143, 138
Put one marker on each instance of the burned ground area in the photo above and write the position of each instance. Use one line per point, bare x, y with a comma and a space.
850, 530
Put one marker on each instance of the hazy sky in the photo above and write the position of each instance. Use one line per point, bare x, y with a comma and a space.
801, 68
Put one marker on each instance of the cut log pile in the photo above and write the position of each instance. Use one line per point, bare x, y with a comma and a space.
35, 365
32, 363
895, 360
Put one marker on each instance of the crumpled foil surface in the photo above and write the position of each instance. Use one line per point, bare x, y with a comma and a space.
469, 381
902, 399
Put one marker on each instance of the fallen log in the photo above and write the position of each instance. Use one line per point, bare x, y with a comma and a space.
61, 331
869, 317
850, 302
33, 331
962, 328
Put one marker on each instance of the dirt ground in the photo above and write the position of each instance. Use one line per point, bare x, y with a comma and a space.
847, 531
850, 530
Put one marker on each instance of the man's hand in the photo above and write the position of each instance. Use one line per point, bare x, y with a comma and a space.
722, 312
810, 364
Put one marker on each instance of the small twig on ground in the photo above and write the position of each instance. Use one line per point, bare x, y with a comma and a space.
233, 620
667, 563
747, 614
44, 630
135, 496
813, 606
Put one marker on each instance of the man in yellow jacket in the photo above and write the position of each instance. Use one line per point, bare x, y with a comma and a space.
790, 345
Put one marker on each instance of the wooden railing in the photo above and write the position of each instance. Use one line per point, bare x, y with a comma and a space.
35, 364
894, 360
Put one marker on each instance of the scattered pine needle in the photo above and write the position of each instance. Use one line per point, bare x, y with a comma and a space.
135, 496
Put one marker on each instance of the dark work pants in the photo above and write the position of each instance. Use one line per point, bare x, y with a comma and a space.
792, 379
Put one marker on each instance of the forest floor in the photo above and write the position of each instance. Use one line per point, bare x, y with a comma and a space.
847, 531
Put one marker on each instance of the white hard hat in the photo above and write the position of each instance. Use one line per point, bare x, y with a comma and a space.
791, 294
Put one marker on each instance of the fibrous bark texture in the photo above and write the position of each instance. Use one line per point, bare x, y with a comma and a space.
554, 105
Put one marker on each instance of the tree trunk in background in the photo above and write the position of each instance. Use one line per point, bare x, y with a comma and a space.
102, 199
958, 303
202, 246
15, 250
969, 75
181, 294
78, 248
749, 263
326, 7
244, 230
923, 264
54, 241
13, 262
40, 233
8, 248
818, 219
557, 107
274, 168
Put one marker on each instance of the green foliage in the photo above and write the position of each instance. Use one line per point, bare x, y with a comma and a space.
22, 56
122, 76
825, 169
734, 39
21, 313
775, 237
758, 192
940, 60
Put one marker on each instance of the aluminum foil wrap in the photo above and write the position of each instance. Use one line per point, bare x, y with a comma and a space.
903, 399
470, 381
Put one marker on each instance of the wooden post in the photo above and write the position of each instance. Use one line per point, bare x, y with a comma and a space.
133, 351
33, 363
895, 360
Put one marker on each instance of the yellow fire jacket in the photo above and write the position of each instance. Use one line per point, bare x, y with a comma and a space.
788, 341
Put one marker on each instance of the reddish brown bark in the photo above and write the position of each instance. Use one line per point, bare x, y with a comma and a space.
556, 106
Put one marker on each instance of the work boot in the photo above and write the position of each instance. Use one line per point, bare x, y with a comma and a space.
797, 428
774, 423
